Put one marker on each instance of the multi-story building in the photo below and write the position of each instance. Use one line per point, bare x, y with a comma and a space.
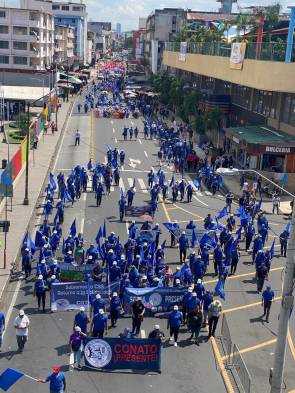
118, 28
91, 46
26, 39
63, 44
160, 26
103, 31
68, 14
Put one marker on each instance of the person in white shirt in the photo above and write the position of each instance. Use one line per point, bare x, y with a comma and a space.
21, 325
276, 200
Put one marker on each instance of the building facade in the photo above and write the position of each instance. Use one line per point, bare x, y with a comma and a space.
103, 32
63, 44
26, 39
68, 14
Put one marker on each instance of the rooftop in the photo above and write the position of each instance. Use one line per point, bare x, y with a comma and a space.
261, 135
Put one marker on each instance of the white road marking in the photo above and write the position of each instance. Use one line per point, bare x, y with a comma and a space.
220, 196
199, 200
116, 140
10, 308
112, 122
114, 130
82, 225
142, 186
84, 196
199, 193
130, 181
142, 333
274, 223
121, 184
122, 167
127, 225
71, 361
132, 123
208, 193
139, 140
112, 188
105, 160
145, 153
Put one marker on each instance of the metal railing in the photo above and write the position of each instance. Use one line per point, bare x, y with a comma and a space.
274, 51
242, 371
226, 340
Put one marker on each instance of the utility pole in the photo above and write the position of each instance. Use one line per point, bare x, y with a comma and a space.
26, 198
285, 311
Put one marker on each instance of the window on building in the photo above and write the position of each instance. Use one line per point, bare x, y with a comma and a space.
55, 7
292, 111
174, 19
19, 30
4, 59
74, 21
4, 45
20, 60
3, 29
20, 45
65, 7
2, 14
77, 8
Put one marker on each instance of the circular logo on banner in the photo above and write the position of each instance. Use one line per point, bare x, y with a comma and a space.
98, 353
155, 299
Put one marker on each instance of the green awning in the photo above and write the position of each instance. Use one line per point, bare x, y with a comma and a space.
261, 135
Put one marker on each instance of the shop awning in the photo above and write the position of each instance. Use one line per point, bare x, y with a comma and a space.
262, 139
25, 93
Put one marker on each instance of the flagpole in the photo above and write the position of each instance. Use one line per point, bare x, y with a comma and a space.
32, 378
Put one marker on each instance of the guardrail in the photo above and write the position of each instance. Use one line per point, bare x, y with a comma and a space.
274, 51
242, 371
226, 340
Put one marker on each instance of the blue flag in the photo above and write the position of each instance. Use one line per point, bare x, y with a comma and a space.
6, 178
38, 239
163, 245
29, 243
258, 204
133, 185
89, 165
219, 181
63, 250
55, 218
284, 179
9, 377
169, 225
288, 227
52, 182
241, 212
114, 163
121, 192
98, 236
221, 214
68, 196
73, 229
219, 289
196, 183
272, 249
194, 239
104, 230
207, 241
171, 182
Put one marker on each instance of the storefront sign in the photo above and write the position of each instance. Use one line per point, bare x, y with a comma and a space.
277, 149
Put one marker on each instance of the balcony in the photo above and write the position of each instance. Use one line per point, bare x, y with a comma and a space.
35, 23
269, 72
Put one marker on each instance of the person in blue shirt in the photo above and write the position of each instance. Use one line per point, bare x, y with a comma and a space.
284, 236
267, 299
191, 225
207, 300
250, 232
122, 206
130, 196
189, 192
115, 307
183, 246
81, 320
115, 272
57, 381
99, 324
98, 193
193, 302
175, 319
185, 299
257, 245
27, 262
40, 291
2, 327
97, 304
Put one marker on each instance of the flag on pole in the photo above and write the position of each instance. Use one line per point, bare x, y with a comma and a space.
258, 204
55, 217
29, 243
284, 179
219, 289
38, 239
196, 183
194, 239
171, 184
104, 230
99, 235
221, 214
163, 245
272, 249
9, 377
52, 182
73, 229
133, 185
288, 227
68, 196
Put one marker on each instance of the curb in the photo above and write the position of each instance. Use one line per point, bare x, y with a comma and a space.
29, 224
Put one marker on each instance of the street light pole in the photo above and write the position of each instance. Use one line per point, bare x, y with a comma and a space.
26, 199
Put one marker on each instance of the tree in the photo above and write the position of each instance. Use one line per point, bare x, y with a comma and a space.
272, 15
212, 119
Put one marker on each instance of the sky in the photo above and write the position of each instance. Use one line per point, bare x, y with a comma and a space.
127, 12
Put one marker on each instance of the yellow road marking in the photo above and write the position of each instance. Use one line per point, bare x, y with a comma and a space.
291, 344
165, 209
172, 208
241, 275
187, 211
224, 373
254, 347
91, 144
245, 306
184, 221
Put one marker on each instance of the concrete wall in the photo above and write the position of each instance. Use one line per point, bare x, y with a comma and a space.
261, 75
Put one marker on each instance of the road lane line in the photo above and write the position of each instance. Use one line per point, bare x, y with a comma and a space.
245, 306
254, 347
112, 122
114, 130
91, 144
112, 189
132, 123
116, 140
165, 209
197, 199
243, 275
139, 140
105, 160
127, 225
208, 193
145, 153
224, 373
142, 186
187, 211
291, 344
10, 308
82, 225
71, 361
130, 181
142, 333
84, 196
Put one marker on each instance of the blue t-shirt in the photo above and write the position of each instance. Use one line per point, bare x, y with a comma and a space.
175, 319
97, 304
81, 320
2, 319
56, 382
268, 295
99, 321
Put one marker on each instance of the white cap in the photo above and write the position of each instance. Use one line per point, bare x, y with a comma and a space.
190, 290
27, 249
115, 263
70, 252
177, 281
194, 294
123, 257
43, 261
46, 245
97, 296
175, 308
115, 294
21, 312
77, 329
40, 277
157, 327
100, 311
82, 308
183, 232
199, 281
111, 251
90, 257
53, 277
177, 267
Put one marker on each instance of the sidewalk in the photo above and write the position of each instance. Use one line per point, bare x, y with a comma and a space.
21, 215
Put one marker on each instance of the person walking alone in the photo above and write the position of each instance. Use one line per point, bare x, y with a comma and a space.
175, 319
21, 325
77, 138
137, 315
57, 381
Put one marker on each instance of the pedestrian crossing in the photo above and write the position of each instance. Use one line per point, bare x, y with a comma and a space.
141, 186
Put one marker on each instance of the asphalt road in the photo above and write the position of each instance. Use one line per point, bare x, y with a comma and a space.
184, 369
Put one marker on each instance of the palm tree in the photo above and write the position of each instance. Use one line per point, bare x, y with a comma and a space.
272, 16
242, 22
